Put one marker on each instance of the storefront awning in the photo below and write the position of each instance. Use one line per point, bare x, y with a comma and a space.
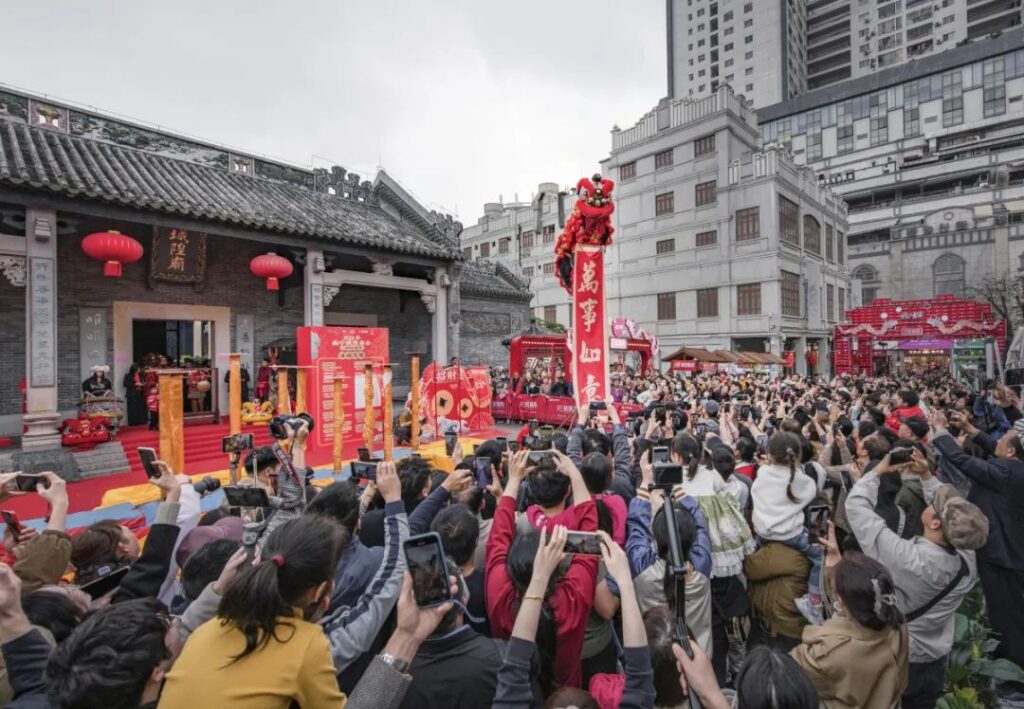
696, 353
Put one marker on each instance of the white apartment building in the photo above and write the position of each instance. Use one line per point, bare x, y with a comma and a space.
853, 38
718, 244
756, 46
929, 157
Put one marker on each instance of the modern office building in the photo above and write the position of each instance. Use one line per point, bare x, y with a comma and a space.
718, 243
929, 157
758, 47
847, 39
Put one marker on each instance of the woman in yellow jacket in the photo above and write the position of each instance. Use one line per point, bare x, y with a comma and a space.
857, 658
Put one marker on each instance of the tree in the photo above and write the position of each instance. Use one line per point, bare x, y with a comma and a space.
1005, 293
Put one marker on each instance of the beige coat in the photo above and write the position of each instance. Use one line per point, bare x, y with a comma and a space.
853, 666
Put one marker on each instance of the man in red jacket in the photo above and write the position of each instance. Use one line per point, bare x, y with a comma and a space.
906, 407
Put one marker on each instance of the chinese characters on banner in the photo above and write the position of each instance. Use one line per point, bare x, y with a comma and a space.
342, 352
455, 396
178, 256
589, 327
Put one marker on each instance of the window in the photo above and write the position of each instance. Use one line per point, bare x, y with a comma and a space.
841, 315
879, 130
749, 88
993, 79
665, 246
549, 234
627, 171
704, 146
749, 7
666, 306
789, 221
911, 121
485, 250
748, 71
706, 193
749, 22
551, 313
503, 245
948, 273
749, 55
707, 238
707, 303
812, 235
790, 294
952, 99
748, 224
844, 139
830, 243
663, 159
548, 268
830, 302
467, 253
528, 271
749, 39
840, 248
664, 204
526, 240
748, 299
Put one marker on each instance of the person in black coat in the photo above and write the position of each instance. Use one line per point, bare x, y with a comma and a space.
245, 383
135, 396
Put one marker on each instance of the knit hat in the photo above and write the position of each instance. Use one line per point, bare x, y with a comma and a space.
224, 528
963, 524
918, 425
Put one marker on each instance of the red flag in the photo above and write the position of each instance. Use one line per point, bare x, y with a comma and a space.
590, 324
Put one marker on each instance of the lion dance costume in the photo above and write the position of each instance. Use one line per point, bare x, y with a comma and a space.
579, 262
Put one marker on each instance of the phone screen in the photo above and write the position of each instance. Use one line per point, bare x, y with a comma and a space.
668, 474
659, 454
364, 471
28, 483
147, 456
246, 496
484, 473
537, 458
450, 441
899, 456
583, 543
513, 446
364, 455
503, 442
107, 582
424, 556
11, 520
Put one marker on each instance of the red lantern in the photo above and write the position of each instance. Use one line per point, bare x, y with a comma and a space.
272, 267
113, 247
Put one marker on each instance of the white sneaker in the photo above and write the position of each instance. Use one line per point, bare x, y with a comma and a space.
809, 610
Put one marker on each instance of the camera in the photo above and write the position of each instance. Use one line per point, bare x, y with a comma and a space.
279, 425
207, 484
236, 443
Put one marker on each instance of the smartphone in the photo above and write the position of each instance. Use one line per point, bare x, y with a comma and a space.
503, 442
744, 412
236, 443
538, 458
28, 482
147, 456
818, 518
899, 456
364, 455
364, 471
659, 454
546, 433
513, 446
484, 473
424, 555
109, 579
668, 474
238, 496
587, 543
835, 428
530, 442
11, 520
450, 441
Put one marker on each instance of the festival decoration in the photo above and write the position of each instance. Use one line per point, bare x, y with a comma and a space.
579, 262
389, 438
414, 403
272, 267
257, 413
455, 397
114, 248
84, 432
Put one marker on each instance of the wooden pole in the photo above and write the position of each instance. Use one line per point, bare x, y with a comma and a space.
339, 423
235, 393
415, 404
389, 436
172, 430
300, 391
284, 402
369, 418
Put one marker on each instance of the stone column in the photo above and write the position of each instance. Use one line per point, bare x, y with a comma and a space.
824, 357
454, 311
801, 356
437, 304
42, 416
313, 288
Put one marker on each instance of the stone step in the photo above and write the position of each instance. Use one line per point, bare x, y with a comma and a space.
104, 459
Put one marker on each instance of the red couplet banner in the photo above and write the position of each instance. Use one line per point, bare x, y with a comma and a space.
342, 352
590, 327
455, 394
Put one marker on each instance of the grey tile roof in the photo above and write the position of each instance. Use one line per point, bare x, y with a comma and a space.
491, 279
95, 170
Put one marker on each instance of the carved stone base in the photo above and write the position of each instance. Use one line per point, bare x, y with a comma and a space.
42, 433
58, 460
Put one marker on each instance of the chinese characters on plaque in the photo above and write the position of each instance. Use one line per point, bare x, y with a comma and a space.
178, 256
43, 335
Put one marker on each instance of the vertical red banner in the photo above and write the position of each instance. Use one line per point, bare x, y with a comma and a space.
589, 327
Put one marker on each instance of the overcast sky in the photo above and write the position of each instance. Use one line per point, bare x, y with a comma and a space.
460, 100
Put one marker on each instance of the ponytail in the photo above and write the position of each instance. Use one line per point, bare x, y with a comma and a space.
868, 592
783, 448
547, 640
791, 457
604, 517
691, 469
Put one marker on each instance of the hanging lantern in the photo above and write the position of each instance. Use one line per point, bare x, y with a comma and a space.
272, 267
113, 247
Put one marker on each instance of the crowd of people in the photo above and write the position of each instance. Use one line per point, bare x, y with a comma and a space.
761, 543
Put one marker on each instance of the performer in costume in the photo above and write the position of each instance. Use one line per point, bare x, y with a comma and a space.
98, 384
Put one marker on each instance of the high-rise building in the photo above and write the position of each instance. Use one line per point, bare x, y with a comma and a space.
718, 243
756, 46
847, 39
929, 158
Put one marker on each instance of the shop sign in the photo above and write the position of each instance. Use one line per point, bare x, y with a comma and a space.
178, 256
684, 365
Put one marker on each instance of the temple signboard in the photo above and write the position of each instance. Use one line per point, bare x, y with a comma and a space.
178, 256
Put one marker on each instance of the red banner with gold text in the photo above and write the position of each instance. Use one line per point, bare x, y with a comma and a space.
589, 327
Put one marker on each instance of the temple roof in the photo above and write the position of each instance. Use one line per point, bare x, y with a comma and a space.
492, 279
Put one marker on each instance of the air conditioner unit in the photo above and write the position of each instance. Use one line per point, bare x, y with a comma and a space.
943, 228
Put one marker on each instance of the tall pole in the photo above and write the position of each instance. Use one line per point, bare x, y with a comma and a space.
338, 423
368, 412
415, 406
300, 391
235, 392
284, 401
389, 438
172, 411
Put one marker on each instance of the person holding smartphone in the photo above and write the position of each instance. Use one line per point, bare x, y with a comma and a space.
42, 559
